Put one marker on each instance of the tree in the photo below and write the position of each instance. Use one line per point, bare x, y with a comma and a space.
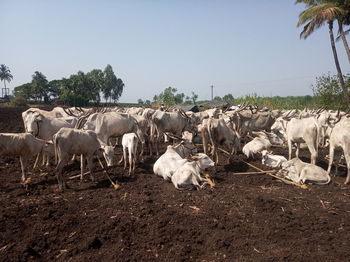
40, 86
317, 13
5, 75
112, 86
117, 90
194, 97
140, 101
24, 91
328, 92
228, 98
96, 78
167, 96
179, 98
147, 103
217, 98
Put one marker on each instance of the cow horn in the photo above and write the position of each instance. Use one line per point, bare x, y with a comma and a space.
183, 113
172, 136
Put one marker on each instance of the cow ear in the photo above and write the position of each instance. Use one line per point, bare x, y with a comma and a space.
39, 118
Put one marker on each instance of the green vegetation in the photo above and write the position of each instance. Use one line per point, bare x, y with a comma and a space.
78, 90
170, 97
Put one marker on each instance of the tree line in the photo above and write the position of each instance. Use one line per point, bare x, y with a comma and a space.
79, 89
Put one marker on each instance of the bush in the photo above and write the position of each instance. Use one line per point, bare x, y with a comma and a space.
18, 101
328, 92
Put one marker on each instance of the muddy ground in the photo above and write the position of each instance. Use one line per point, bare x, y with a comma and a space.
245, 218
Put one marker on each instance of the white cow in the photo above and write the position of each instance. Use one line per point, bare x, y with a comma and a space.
188, 176
69, 141
300, 172
305, 130
130, 142
23, 145
45, 127
255, 146
112, 124
263, 142
219, 134
271, 160
340, 139
172, 122
173, 158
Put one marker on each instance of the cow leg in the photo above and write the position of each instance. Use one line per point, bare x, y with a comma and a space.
48, 161
130, 160
82, 162
63, 160
124, 157
36, 161
157, 142
347, 158
142, 149
331, 157
297, 150
289, 149
90, 165
313, 152
338, 155
23, 162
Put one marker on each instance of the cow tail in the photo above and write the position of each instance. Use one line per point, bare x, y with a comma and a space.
317, 135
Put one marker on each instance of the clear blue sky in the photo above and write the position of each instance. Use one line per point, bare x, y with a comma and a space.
241, 47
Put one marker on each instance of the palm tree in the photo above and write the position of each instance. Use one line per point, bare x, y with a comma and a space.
344, 20
318, 13
5, 75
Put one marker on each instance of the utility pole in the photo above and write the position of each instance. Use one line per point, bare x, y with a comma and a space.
212, 88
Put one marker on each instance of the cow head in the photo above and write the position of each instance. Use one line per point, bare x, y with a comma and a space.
185, 148
108, 153
32, 123
203, 161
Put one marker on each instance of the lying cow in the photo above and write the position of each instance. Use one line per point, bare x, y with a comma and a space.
271, 160
173, 158
23, 145
263, 142
300, 172
69, 141
188, 175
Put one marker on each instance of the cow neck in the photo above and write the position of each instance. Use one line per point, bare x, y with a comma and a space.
200, 169
37, 125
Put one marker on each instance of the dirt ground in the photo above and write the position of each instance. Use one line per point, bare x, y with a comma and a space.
245, 218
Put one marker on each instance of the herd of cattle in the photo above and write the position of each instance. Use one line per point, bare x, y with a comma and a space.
62, 133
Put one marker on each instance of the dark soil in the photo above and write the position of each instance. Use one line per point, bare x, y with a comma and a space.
245, 218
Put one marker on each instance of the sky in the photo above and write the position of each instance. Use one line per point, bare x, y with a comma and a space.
239, 47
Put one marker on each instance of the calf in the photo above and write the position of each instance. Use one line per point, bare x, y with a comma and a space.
188, 176
270, 160
130, 142
263, 142
300, 172
173, 158
23, 145
69, 141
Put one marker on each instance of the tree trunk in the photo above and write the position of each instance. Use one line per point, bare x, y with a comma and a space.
340, 74
343, 38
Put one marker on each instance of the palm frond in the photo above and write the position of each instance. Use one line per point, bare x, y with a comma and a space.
325, 11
